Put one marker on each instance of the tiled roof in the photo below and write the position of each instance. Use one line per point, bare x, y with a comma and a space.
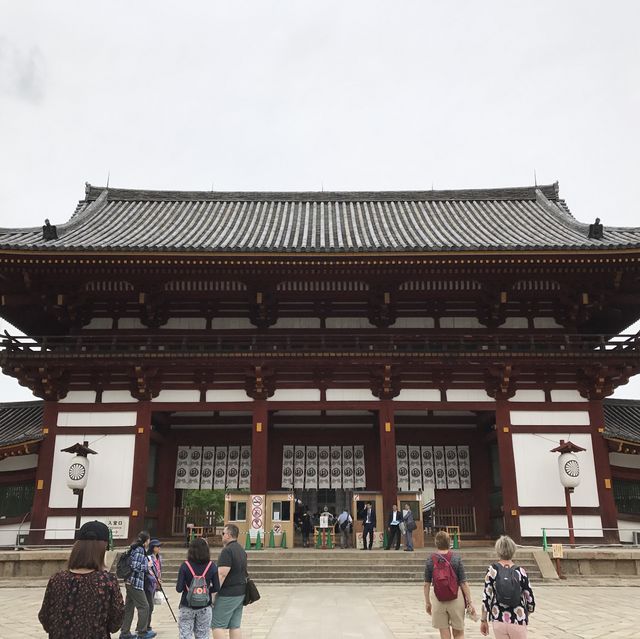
20, 422
411, 221
622, 419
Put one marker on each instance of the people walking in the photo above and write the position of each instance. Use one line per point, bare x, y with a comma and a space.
507, 599
197, 579
232, 572
134, 586
409, 526
152, 581
444, 578
344, 525
368, 525
393, 527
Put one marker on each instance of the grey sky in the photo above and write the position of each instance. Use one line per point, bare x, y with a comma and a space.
300, 95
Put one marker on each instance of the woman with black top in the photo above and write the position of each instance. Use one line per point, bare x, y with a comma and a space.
194, 622
84, 600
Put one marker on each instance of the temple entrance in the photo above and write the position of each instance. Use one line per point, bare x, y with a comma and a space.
315, 500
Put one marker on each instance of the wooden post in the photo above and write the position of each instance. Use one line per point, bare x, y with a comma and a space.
388, 476
507, 470
140, 464
567, 499
259, 447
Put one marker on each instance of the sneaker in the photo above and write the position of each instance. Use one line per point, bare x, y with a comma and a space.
127, 635
149, 634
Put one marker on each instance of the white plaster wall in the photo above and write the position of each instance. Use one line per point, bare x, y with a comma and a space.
550, 418
99, 323
626, 530
350, 395
624, 461
460, 322
118, 397
186, 323
296, 395
79, 397
92, 420
222, 323
537, 476
414, 322
227, 396
515, 322
110, 473
567, 396
468, 395
59, 527
545, 322
9, 532
532, 525
297, 322
131, 322
418, 395
347, 322
177, 396
533, 395
20, 462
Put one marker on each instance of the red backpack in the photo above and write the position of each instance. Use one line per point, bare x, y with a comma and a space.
444, 579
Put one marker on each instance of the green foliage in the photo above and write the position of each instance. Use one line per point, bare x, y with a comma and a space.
205, 500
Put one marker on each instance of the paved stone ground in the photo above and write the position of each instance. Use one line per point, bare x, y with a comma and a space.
567, 611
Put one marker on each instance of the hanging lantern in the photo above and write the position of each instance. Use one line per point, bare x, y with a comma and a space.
568, 464
78, 472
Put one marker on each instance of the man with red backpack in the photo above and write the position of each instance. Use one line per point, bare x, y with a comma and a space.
444, 574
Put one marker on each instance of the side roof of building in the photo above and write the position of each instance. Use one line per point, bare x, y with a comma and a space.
507, 219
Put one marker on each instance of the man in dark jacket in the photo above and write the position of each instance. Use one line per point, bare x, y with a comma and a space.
393, 525
368, 525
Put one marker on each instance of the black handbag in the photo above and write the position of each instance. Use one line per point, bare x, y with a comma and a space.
251, 593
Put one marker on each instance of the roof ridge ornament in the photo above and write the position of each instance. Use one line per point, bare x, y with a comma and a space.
596, 230
49, 231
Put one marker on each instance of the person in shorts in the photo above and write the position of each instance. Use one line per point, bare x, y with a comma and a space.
232, 572
447, 616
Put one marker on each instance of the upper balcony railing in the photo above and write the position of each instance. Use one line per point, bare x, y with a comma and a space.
282, 344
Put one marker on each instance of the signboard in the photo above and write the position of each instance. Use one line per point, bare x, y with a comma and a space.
557, 551
256, 503
119, 526
324, 521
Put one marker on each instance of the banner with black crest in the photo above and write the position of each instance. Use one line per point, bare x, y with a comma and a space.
360, 475
220, 468
182, 468
208, 459
324, 467
336, 466
287, 466
298, 466
311, 471
245, 467
402, 466
347, 467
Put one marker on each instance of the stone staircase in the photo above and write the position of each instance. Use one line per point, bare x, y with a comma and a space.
308, 565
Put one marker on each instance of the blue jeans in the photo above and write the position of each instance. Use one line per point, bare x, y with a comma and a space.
408, 539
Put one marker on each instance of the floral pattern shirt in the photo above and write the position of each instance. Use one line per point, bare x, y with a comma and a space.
78, 606
499, 612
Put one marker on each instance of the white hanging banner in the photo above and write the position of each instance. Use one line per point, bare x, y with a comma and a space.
244, 480
233, 466
208, 458
324, 480
360, 480
439, 466
298, 467
336, 467
428, 473
415, 468
464, 466
287, 467
451, 458
402, 468
311, 471
182, 468
195, 464
347, 467
220, 468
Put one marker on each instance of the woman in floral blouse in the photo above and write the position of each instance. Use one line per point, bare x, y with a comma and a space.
508, 620
84, 600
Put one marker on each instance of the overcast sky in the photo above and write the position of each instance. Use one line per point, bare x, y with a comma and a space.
305, 95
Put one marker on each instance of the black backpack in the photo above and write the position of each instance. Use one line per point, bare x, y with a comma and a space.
507, 586
123, 567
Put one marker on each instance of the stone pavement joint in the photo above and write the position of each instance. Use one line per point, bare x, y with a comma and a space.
572, 611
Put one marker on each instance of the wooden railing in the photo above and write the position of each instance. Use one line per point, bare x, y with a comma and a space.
199, 518
462, 516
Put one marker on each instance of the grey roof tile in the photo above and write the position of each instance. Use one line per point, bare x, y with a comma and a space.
20, 422
525, 218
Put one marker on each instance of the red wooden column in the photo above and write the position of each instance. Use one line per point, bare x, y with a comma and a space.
388, 474
140, 463
168, 456
608, 510
259, 447
40, 508
507, 470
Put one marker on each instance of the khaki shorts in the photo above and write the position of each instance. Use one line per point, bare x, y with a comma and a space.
448, 613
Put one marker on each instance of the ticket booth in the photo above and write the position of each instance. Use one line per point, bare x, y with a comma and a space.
360, 499
414, 501
237, 510
279, 517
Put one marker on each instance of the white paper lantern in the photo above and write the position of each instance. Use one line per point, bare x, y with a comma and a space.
569, 470
78, 472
